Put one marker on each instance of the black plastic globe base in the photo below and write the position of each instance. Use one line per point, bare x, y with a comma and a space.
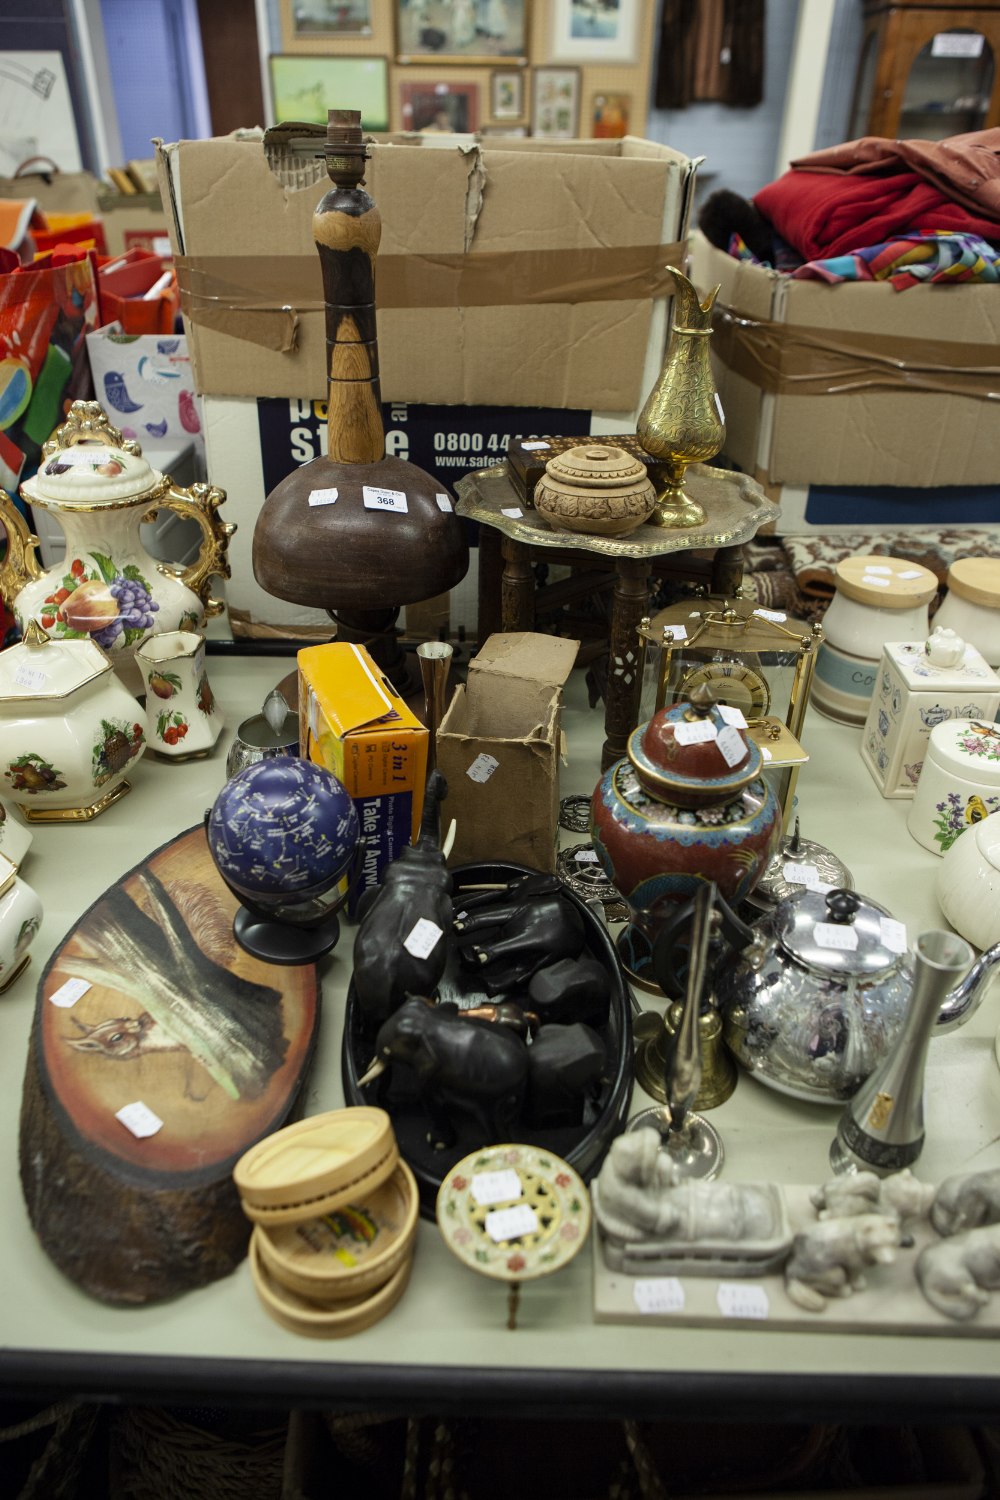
280, 942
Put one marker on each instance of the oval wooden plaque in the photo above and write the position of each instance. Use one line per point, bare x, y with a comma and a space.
177, 1019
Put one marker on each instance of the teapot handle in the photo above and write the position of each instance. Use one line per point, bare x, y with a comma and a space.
20, 564
201, 503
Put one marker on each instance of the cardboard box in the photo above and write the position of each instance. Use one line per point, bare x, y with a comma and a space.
145, 384
498, 746
353, 722
522, 277
854, 384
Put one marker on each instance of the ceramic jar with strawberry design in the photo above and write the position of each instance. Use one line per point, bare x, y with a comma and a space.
108, 588
182, 719
70, 732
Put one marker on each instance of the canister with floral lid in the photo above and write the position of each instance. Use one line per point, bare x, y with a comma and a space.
959, 784
878, 599
69, 730
971, 606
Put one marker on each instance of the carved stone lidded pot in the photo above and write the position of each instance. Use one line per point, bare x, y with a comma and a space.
597, 489
688, 804
355, 532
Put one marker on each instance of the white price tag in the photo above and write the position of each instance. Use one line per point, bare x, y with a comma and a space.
797, 874
893, 934
836, 935
444, 502
161, 246
69, 993
878, 583
375, 498
765, 752
139, 1118
737, 1299
322, 497
586, 857
734, 716
513, 511
511, 1223
698, 732
30, 677
777, 615
910, 573
658, 1294
876, 568
495, 1187
676, 632
733, 745
957, 44
423, 938
533, 447
482, 768
80, 453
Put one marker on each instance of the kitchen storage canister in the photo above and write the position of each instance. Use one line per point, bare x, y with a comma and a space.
878, 599
971, 606
959, 785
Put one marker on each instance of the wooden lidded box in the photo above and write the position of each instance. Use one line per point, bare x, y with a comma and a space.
911, 696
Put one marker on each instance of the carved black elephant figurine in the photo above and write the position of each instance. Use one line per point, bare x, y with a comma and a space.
533, 933
461, 1066
416, 886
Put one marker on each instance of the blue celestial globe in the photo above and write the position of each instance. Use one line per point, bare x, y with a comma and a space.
283, 831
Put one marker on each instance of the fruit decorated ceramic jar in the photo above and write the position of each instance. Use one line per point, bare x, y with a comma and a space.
107, 588
688, 804
69, 730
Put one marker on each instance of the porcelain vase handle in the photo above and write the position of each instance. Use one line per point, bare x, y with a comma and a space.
201, 503
20, 563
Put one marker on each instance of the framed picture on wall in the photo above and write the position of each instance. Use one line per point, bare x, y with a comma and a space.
433, 107
555, 103
507, 94
461, 31
610, 115
316, 19
304, 87
595, 31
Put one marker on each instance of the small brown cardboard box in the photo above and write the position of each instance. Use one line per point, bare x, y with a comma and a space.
498, 746
853, 384
525, 277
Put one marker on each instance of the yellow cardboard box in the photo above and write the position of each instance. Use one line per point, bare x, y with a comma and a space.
353, 722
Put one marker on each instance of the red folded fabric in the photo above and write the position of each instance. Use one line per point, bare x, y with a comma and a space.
823, 213
965, 167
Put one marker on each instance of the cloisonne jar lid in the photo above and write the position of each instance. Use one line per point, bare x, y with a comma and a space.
840, 933
694, 754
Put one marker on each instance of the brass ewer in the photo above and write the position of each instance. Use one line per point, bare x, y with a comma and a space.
682, 422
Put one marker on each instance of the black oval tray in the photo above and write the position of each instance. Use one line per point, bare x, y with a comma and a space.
584, 1147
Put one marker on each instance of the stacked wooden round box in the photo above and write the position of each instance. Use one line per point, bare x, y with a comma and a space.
335, 1210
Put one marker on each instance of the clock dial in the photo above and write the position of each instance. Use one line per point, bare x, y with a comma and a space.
732, 682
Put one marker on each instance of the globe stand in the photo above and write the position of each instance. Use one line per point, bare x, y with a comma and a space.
283, 942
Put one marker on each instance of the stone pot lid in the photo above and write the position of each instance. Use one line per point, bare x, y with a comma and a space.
596, 466
691, 756
968, 749
91, 474
839, 933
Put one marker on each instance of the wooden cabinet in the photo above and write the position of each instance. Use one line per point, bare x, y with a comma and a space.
927, 71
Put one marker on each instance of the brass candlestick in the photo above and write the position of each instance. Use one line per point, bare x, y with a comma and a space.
682, 422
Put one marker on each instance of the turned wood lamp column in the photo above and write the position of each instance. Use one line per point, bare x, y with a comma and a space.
320, 538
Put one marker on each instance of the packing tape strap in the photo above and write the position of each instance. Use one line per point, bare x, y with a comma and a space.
786, 359
261, 298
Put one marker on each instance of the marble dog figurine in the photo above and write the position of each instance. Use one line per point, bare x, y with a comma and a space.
967, 1202
957, 1274
829, 1259
865, 1193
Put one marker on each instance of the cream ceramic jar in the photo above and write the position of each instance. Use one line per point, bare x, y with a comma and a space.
971, 606
968, 883
878, 599
959, 785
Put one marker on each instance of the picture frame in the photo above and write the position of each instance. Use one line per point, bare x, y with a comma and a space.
610, 115
305, 85
555, 103
327, 20
462, 31
431, 107
507, 94
595, 31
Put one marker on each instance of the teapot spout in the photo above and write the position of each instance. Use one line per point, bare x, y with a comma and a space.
964, 1000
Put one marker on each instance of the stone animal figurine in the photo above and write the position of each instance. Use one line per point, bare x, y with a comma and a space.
864, 1193
391, 959
530, 935
829, 1259
472, 1068
968, 1202
956, 1275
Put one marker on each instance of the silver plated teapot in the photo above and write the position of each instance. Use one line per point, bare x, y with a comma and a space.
816, 1000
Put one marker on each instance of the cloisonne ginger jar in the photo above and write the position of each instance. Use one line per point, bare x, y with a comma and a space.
69, 730
687, 804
